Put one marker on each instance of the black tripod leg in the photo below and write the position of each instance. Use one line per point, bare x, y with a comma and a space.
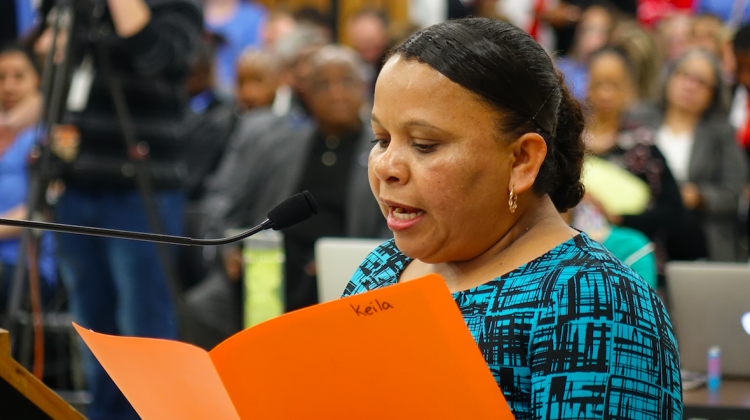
53, 89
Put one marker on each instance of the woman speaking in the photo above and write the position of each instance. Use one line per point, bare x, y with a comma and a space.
478, 147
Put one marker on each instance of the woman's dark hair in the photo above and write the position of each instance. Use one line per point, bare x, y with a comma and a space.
741, 41
15, 47
507, 69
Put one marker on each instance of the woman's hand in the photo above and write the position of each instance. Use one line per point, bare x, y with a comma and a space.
691, 196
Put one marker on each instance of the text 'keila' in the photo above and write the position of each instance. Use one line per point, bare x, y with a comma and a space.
372, 308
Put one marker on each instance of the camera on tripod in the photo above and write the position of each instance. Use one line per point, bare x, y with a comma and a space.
100, 80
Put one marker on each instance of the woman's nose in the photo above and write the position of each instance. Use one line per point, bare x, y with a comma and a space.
390, 166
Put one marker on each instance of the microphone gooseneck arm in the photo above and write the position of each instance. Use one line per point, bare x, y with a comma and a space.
138, 236
289, 212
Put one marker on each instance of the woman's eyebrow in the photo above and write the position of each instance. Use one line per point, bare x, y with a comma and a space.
422, 123
414, 122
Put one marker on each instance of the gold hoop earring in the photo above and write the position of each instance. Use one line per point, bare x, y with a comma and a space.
512, 201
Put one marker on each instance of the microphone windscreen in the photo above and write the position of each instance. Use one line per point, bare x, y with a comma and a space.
293, 210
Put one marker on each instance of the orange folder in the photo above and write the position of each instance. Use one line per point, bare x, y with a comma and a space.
399, 352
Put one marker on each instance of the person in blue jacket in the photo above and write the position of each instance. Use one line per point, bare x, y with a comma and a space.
19, 85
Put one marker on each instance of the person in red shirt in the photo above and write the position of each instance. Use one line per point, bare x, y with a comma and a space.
651, 12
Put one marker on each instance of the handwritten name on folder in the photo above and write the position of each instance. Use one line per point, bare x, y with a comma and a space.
409, 356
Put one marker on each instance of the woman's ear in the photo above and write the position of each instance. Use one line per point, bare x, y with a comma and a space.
528, 152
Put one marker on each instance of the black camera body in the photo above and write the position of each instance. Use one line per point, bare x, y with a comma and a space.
88, 141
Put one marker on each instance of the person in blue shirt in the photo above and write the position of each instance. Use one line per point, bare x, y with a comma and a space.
239, 23
19, 83
478, 148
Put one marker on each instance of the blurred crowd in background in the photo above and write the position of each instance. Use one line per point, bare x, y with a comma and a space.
279, 95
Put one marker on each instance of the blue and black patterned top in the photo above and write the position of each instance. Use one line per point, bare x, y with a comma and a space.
573, 334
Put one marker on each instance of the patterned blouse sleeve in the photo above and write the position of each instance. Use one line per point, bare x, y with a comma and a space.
604, 348
381, 268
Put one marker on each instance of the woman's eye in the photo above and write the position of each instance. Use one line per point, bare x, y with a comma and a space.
381, 142
425, 147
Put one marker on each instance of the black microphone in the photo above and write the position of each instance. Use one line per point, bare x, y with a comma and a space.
293, 210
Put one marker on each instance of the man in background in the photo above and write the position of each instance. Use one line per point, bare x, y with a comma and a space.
368, 31
211, 121
327, 157
117, 286
258, 78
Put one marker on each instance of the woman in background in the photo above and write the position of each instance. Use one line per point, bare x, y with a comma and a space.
698, 142
613, 138
592, 33
19, 86
645, 60
478, 148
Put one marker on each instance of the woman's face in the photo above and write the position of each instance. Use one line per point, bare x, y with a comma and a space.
18, 79
593, 30
610, 88
439, 171
691, 87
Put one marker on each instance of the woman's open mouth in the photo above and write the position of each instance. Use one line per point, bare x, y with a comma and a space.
406, 214
402, 217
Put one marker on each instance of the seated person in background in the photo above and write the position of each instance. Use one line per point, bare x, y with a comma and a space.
709, 33
332, 164
295, 50
230, 191
479, 147
312, 17
209, 136
208, 126
706, 33
644, 58
630, 147
214, 305
693, 133
329, 159
368, 31
279, 23
592, 33
213, 292
19, 84
258, 78
207, 129
674, 35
